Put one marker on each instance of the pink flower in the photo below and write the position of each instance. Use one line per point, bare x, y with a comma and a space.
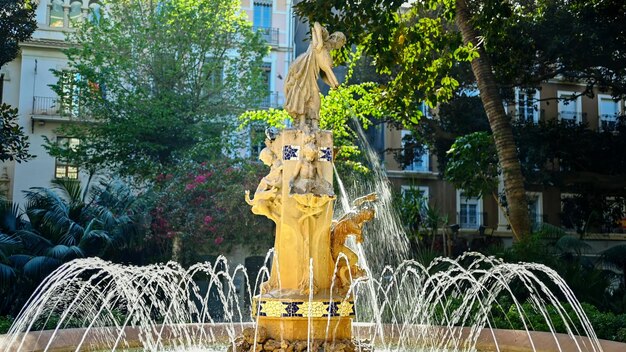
203, 163
200, 179
189, 186
208, 219
219, 240
169, 177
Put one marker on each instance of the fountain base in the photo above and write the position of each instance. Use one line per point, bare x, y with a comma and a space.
257, 340
305, 318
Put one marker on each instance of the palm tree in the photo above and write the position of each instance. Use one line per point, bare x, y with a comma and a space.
519, 217
60, 224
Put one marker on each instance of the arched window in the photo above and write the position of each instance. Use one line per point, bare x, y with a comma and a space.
94, 11
56, 13
75, 12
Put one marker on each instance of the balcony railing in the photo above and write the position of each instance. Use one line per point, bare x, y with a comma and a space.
50, 106
573, 116
608, 122
269, 34
272, 100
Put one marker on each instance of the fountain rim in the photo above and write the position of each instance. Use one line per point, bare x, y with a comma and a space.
508, 340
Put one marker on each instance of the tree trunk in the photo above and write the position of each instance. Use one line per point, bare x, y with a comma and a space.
500, 126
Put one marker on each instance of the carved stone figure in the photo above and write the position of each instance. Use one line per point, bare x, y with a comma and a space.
302, 94
267, 195
351, 224
307, 175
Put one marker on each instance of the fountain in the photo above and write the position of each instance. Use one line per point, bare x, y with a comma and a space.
317, 285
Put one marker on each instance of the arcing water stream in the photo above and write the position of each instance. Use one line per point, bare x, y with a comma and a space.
405, 306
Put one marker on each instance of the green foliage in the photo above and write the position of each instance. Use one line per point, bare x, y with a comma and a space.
473, 165
13, 143
59, 225
203, 205
529, 42
17, 24
414, 48
5, 324
607, 325
341, 108
155, 81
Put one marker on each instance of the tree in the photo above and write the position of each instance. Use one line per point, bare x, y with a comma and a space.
59, 224
13, 143
17, 24
154, 83
349, 104
200, 209
520, 43
513, 181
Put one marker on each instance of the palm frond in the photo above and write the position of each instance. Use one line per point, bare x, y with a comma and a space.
68, 188
18, 261
95, 242
38, 268
9, 241
7, 276
33, 242
65, 253
10, 216
615, 255
572, 244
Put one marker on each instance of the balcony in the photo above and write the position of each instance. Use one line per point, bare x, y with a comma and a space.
608, 122
47, 106
272, 100
572, 116
269, 34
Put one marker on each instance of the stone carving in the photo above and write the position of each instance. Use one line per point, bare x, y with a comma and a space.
351, 224
307, 177
267, 195
302, 94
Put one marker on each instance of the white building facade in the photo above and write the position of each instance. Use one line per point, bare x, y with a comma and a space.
26, 82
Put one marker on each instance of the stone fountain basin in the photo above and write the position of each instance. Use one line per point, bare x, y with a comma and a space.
508, 340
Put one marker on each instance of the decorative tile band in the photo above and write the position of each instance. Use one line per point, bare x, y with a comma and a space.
314, 309
326, 154
291, 152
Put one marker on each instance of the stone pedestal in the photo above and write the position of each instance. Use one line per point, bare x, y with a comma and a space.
295, 303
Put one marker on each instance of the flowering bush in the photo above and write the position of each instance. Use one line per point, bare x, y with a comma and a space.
200, 209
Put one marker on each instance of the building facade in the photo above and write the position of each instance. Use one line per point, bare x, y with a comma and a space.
26, 82
546, 204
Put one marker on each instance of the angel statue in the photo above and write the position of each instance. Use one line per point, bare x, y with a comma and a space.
302, 94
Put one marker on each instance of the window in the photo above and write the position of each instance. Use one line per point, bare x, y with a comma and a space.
570, 106
75, 13
57, 14
63, 168
262, 14
527, 104
469, 211
608, 111
420, 154
419, 194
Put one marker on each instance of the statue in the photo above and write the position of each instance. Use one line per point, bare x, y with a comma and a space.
351, 224
307, 176
267, 195
302, 94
